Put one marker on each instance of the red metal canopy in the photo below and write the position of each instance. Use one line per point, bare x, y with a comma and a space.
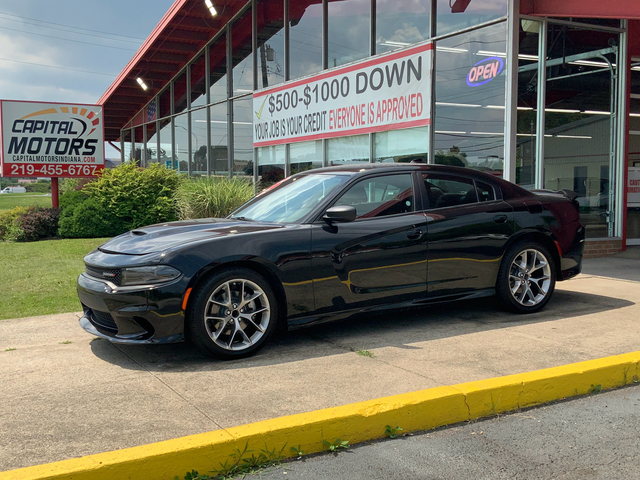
183, 31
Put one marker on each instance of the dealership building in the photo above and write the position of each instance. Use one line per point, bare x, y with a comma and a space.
544, 93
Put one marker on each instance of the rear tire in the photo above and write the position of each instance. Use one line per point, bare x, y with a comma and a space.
233, 314
527, 278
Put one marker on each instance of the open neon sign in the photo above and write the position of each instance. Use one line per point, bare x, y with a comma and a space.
484, 71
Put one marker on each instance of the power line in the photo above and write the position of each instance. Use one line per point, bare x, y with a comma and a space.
70, 31
70, 26
69, 40
59, 68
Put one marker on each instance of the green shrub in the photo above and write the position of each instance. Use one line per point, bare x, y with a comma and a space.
212, 197
9, 228
136, 197
37, 224
89, 219
42, 186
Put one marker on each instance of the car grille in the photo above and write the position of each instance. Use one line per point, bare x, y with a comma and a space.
114, 275
104, 320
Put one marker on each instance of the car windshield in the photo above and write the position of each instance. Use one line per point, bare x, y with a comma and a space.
292, 201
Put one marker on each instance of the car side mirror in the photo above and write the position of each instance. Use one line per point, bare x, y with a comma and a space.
342, 213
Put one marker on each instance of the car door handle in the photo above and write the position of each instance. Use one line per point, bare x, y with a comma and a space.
414, 234
500, 218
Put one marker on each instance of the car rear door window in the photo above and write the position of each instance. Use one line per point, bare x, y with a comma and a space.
380, 196
449, 191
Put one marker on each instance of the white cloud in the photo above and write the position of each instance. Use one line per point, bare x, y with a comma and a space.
24, 49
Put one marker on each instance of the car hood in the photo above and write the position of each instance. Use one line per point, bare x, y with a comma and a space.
165, 236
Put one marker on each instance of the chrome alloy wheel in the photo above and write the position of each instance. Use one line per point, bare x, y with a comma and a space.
529, 277
237, 314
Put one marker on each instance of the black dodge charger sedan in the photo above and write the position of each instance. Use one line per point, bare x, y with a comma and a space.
328, 243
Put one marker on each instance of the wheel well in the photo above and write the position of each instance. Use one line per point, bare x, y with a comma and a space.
258, 268
544, 240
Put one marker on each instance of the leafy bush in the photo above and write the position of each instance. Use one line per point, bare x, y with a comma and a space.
42, 186
212, 197
37, 224
122, 199
88, 219
9, 228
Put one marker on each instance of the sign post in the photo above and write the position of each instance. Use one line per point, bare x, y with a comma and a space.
51, 140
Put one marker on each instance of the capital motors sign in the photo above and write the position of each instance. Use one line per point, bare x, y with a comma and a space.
484, 71
51, 139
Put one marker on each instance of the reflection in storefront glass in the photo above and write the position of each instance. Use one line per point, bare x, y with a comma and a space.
527, 103
349, 27
454, 15
402, 146
343, 150
400, 24
270, 43
199, 142
271, 165
578, 123
469, 98
305, 37
219, 139
182, 143
305, 156
242, 134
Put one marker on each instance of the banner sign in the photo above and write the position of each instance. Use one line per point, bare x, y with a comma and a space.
51, 139
388, 92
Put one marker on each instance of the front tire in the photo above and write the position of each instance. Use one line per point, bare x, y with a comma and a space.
233, 314
527, 278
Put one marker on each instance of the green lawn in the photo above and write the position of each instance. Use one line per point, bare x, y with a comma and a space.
11, 200
39, 278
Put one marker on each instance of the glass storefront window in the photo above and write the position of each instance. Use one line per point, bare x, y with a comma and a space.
527, 103
349, 26
578, 122
242, 135
305, 156
343, 150
271, 165
402, 146
454, 15
219, 139
270, 43
165, 155
469, 99
182, 143
218, 66
180, 93
305, 37
400, 24
199, 141
242, 55
198, 83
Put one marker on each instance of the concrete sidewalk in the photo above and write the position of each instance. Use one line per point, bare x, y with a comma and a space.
62, 400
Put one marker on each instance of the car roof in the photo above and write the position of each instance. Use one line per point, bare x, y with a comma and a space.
509, 190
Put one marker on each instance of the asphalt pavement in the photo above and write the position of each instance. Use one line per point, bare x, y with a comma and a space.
593, 437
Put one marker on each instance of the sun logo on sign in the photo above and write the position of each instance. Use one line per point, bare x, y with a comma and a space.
91, 119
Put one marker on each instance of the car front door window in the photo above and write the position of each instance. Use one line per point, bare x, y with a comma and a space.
380, 196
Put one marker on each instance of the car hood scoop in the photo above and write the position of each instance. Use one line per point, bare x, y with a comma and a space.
163, 236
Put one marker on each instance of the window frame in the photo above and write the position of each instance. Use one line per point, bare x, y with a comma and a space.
424, 176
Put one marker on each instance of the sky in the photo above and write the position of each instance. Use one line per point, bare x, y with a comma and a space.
70, 50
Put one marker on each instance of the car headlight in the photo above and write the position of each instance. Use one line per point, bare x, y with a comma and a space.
148, 275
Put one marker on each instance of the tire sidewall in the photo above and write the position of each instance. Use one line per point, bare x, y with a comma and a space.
196, 331
502, 284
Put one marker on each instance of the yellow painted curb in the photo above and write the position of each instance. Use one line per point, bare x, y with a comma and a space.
357, 422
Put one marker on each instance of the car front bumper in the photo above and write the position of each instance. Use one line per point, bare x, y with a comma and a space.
134, 316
